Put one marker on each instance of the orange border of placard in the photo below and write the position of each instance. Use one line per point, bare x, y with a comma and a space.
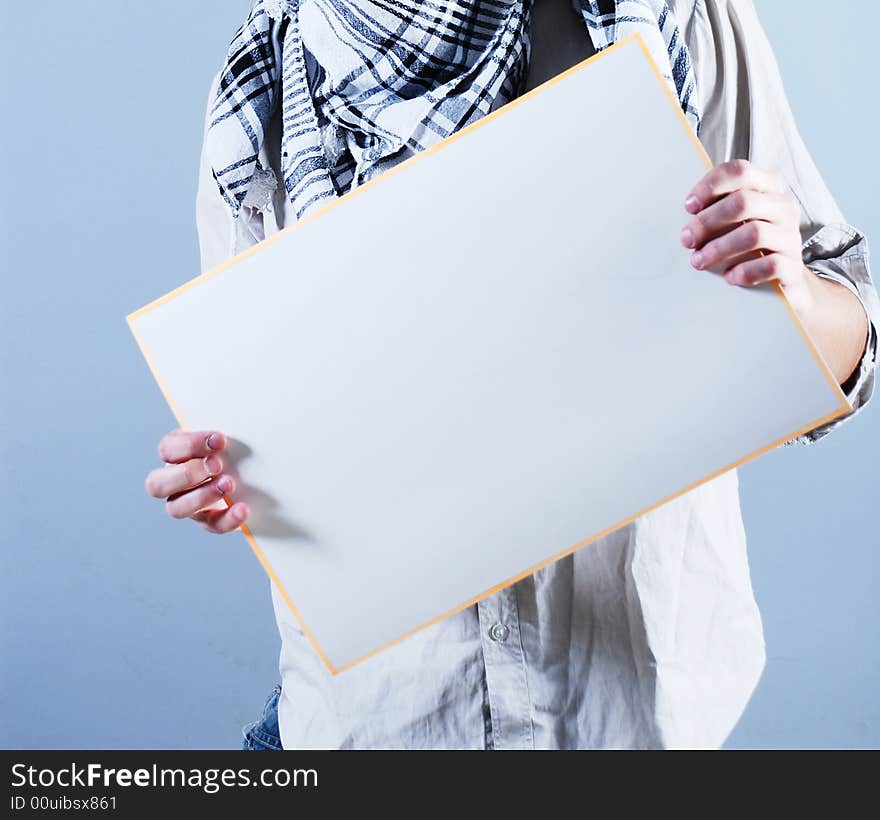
845, 407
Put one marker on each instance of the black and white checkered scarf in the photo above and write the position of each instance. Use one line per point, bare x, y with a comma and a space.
359, 81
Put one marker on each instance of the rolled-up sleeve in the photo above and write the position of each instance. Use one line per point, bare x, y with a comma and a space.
839, 252
746, 115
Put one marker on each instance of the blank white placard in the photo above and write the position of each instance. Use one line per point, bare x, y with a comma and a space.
482, 360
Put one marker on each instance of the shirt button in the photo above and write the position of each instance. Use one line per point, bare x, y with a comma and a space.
499, 632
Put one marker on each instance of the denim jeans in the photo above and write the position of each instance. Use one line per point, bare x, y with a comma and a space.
262, 735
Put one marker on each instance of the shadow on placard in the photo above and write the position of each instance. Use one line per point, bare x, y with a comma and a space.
264, 519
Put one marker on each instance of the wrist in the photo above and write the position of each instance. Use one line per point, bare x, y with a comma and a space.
802, 293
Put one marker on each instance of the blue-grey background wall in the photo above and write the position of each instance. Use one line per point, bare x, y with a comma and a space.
122, 628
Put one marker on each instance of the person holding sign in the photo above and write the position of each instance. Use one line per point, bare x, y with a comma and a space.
650, 637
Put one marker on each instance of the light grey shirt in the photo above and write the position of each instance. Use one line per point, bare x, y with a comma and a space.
650, 637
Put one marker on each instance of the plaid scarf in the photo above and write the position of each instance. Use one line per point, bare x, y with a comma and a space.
360, 83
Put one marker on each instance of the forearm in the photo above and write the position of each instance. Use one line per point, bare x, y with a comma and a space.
836, 321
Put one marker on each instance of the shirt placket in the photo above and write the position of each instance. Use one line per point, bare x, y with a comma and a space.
506, 679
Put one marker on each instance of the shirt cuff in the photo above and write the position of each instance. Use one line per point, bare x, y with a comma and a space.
839, 252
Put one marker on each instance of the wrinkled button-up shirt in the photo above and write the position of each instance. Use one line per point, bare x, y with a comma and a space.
649, 637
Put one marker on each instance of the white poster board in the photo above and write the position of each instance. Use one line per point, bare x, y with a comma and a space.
482, 360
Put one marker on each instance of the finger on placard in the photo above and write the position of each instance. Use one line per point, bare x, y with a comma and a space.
728, 177
186, 504
223, 521
180, 445
731, 210
177, 478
